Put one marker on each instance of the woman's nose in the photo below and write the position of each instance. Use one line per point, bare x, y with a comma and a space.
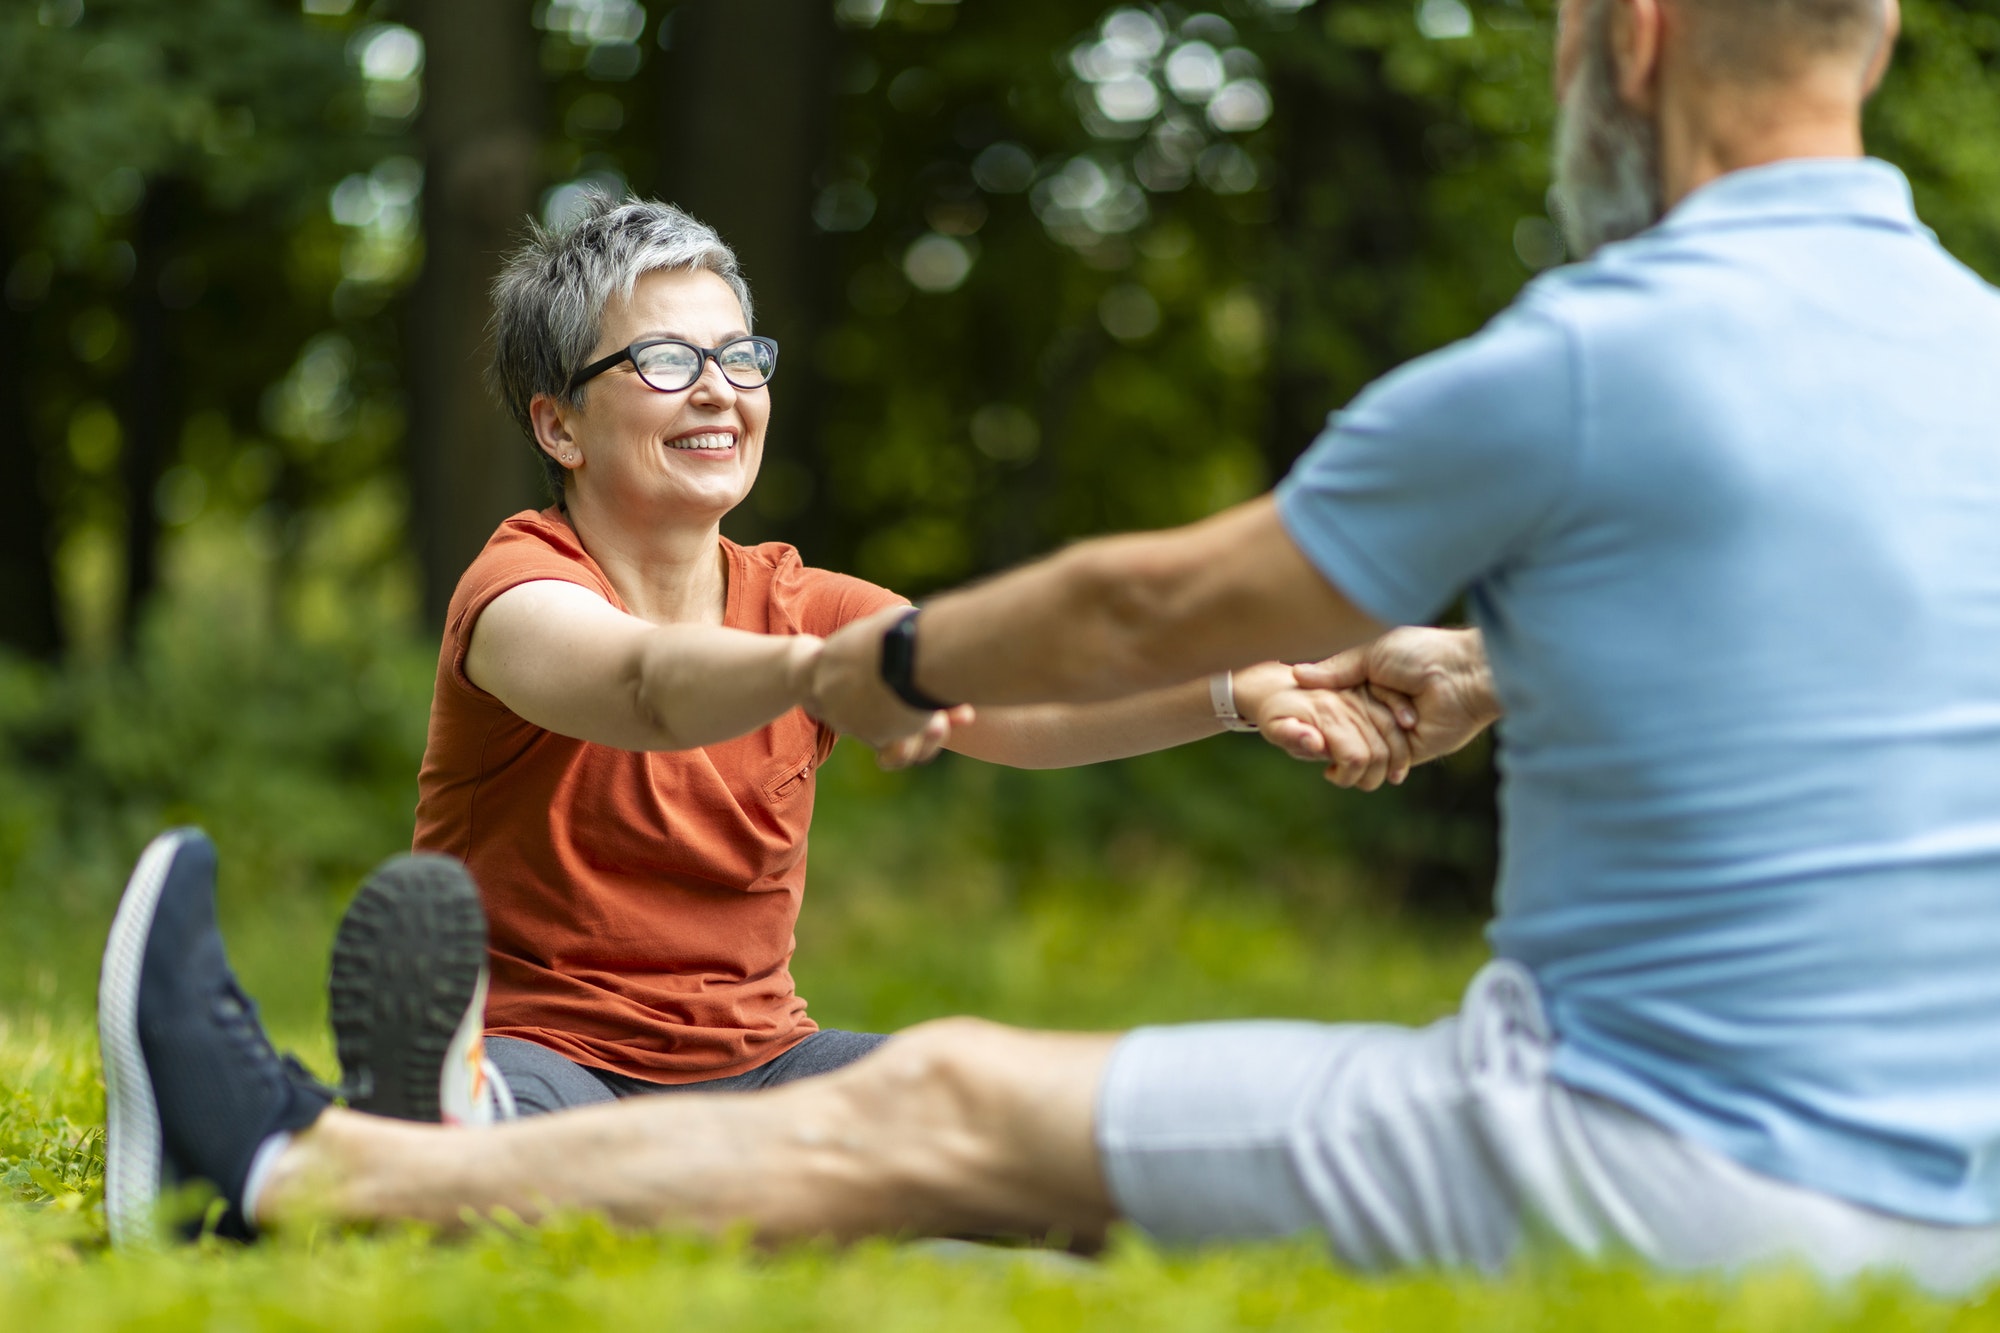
711, 387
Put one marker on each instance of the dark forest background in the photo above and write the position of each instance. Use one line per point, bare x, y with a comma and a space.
1041, 269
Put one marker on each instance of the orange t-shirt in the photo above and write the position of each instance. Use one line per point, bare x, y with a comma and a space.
641, 905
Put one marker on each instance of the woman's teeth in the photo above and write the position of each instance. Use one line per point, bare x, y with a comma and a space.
719, 441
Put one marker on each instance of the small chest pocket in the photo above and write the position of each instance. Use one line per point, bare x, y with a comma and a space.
790, 781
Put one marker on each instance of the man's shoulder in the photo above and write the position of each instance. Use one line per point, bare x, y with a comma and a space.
1515, 373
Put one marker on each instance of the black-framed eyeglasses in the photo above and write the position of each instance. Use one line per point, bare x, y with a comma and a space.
670, 365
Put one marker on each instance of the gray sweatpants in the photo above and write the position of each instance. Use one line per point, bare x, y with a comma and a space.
542, 1081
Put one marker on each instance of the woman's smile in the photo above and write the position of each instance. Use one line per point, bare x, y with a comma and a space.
705, 441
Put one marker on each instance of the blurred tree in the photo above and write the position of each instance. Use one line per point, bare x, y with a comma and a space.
28, 622
481, 130
742, 155
151, 403
138, 129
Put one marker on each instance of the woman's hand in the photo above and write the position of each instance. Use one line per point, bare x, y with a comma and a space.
1355, 734
924, 746
844, 689
1437, 681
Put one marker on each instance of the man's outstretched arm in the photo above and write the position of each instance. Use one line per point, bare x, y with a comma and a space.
1102, 620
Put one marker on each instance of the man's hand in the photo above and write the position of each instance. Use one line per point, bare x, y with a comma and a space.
1436, 681
1353, 731
847, 693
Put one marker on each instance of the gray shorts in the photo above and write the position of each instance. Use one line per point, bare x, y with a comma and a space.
1450, 1145
542, 1081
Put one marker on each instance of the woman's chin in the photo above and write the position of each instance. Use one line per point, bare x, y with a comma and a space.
696, 505
694, 496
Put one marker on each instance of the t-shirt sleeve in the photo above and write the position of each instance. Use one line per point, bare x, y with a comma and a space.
1441, 472
519, 555
840, 599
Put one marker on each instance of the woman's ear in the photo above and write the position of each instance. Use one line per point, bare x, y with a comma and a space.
550, 417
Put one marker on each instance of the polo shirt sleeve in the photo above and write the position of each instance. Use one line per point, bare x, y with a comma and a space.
1441, 472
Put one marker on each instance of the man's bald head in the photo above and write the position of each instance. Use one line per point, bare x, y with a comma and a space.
1760, 40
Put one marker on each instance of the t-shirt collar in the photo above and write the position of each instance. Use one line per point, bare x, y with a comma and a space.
1864, 190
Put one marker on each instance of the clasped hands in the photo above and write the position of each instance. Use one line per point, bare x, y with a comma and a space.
1372, 713
1367, 715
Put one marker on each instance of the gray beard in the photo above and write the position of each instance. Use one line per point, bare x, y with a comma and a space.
1607, 169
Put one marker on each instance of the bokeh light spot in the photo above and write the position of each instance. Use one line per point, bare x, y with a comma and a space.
936, 263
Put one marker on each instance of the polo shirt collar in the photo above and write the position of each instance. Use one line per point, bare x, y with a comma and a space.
1868, 191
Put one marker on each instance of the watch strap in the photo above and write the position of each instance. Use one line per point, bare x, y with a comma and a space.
1222, 697
899, 663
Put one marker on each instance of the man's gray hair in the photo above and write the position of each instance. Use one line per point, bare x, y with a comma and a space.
548, 302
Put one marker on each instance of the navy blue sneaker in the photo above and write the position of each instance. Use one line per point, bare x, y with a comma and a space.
192, 1087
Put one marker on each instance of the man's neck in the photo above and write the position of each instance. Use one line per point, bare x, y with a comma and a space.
1711, 129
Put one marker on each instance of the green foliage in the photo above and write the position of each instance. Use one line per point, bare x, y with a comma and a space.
300, 759
578, 1274
305, 758
51, 1122
100, 99
1938, 119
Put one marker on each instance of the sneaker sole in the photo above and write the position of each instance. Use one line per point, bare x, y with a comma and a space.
133, 1150
408, 964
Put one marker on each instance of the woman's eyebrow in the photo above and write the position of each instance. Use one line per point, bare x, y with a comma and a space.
682, 337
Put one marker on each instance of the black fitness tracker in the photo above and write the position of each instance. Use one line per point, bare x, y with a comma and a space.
899, 663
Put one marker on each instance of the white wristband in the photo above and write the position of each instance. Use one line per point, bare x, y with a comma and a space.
1222, 696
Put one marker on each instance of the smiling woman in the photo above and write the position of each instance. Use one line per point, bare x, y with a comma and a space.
618, 749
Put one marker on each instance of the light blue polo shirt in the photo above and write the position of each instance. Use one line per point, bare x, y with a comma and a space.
1726, 502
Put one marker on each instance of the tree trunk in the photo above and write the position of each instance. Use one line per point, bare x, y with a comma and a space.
28, 620
150, 397
748, 93
480, 132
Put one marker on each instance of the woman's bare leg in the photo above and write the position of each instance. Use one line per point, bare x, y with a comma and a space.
955, 1127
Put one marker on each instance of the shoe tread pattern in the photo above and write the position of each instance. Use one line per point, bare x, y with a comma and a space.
406, 963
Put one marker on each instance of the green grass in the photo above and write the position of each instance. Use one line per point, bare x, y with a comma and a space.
897, 929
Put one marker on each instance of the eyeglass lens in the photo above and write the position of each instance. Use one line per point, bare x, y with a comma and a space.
673, 366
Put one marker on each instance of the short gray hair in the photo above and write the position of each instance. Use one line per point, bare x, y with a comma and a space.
548, 302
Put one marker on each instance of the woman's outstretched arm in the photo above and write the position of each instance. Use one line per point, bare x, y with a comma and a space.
563, 658
1356, 735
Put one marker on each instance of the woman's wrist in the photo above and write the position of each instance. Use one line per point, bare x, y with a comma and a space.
801, 656
1254, 686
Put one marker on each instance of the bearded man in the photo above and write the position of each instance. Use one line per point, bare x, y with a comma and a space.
1724, 500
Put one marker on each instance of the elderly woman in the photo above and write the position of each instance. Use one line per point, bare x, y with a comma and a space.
617, 747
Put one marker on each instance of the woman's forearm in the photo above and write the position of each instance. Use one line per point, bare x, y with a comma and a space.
695, 685
1069, 735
